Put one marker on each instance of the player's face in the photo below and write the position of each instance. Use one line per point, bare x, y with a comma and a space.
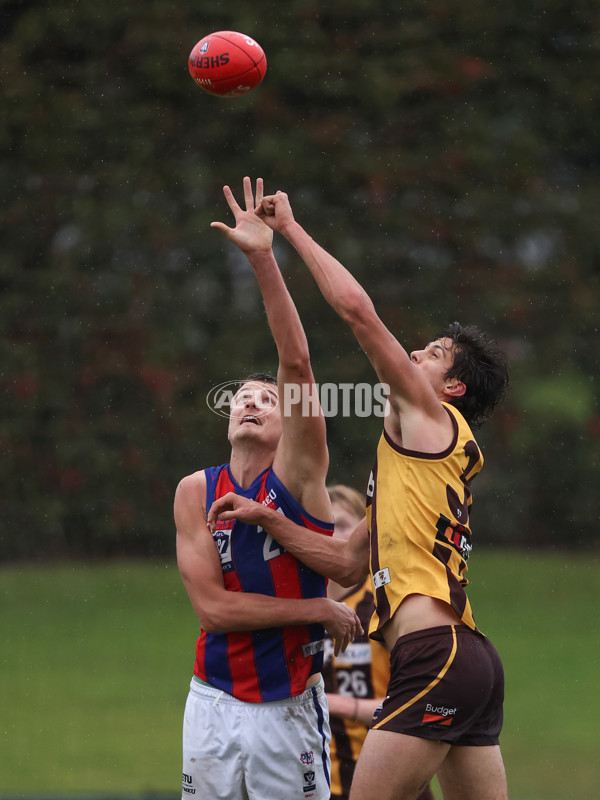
435, 361
255, 413
344, 520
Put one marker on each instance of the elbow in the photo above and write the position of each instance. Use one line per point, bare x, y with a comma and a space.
298, 364
352, 578
213, 615
356, 307
211, 625
213, 621
350, 572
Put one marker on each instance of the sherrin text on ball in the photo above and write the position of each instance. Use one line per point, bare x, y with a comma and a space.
227, 63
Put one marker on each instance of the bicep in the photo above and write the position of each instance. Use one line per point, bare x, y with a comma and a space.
302, 458
200, 569
197, 556
198, 559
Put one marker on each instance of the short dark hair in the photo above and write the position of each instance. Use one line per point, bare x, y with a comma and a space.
261, 377
480, 364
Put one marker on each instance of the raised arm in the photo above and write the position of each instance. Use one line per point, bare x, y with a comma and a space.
302, 460
220, 610
415, 407
344, 561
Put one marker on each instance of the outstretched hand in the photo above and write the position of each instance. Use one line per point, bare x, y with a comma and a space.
250, 233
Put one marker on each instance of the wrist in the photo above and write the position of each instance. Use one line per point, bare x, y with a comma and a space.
267, 517
322, 607
259, 254
287, 229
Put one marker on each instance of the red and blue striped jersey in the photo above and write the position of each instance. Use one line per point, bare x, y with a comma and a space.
271, 663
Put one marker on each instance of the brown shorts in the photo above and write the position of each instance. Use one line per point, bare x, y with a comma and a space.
447, 684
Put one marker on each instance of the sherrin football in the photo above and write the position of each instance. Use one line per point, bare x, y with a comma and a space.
227, 63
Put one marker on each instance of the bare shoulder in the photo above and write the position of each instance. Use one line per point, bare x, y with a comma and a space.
191, 493
192, 483
194, 479
425, 430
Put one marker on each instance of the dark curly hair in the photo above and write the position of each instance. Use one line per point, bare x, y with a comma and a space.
480, 364
260, 377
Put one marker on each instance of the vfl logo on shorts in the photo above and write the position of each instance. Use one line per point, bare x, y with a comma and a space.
381, 578
308, 781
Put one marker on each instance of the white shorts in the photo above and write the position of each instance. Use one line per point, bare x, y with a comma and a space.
234, 750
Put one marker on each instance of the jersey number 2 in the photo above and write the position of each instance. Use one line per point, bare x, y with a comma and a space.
270, 548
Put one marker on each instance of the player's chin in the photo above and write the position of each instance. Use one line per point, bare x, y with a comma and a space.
247, 431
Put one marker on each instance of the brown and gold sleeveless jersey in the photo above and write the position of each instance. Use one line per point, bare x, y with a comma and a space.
418, 518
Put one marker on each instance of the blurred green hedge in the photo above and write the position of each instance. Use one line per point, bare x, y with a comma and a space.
447, 152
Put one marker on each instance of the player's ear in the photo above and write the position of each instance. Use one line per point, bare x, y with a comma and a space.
454, 387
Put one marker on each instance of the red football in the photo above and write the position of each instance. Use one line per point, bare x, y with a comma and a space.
227, 63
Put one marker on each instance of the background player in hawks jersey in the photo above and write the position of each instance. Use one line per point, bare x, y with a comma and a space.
356, 680
256, 722
443, 710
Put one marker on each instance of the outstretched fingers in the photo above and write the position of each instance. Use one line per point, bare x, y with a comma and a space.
248, 194
259, 193
220, 226
248, 233
249, 198
231, 201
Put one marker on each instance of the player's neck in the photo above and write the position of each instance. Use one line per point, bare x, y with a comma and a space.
247, 463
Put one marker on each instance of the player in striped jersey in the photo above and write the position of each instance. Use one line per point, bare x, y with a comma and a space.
256, 721
443, 710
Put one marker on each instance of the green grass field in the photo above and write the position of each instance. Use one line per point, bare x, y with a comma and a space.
96, 662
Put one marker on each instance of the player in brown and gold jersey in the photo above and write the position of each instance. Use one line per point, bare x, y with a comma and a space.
443, 709
411, 497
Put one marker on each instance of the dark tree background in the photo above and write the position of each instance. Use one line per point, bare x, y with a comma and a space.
446, 151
